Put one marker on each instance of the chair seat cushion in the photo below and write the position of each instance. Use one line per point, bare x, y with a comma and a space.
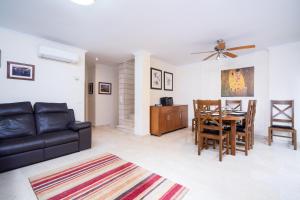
60, 137
20, 145
282, 127
213, 132
239, 128
210, 123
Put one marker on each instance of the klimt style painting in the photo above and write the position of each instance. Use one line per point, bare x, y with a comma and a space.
237, 82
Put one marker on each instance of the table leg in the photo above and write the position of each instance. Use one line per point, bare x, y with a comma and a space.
233, 137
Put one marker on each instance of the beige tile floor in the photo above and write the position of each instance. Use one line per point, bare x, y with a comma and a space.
269, 173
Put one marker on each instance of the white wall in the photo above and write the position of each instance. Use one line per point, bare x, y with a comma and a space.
54, 81
276, 77
284, 75
106, 106
204, 82
90, 98
155, 95
126, 91
142, 93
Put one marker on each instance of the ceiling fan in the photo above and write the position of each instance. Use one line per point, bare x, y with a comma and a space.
221, 50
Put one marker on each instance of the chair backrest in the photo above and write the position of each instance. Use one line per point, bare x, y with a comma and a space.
250, 115
282, 112
234, 104
254, 109
209, 112
195, 105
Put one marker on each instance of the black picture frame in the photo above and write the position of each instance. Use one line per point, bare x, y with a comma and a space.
104, 88
20, 71
155, 80
166, 85
91, 88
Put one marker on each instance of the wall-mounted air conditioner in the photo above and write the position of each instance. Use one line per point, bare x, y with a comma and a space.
57, 54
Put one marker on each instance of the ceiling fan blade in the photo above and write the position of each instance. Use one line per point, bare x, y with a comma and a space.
201, 52
231, 55
241, 47
208, 57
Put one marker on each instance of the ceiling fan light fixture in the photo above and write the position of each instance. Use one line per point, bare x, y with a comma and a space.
84, 2
222, 52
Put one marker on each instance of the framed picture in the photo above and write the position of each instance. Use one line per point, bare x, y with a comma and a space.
20, 71
168, 81
156, 79
104, 88
237, 82
91, 88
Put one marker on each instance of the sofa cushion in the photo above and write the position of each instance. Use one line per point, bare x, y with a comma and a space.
15, 108
51, 117
40, 107
20, 145
51, 122
16, 120
60, 137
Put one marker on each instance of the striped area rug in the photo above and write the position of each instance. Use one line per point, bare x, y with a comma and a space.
105, 177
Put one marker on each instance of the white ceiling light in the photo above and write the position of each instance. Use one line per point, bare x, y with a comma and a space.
84, 2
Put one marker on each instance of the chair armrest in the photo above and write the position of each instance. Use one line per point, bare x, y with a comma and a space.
76, 126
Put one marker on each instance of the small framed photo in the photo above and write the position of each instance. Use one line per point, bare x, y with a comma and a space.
91, 88
104, 88
168, 81
20, 71
156, 79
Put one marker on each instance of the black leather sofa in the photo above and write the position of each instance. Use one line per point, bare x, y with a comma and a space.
29, 136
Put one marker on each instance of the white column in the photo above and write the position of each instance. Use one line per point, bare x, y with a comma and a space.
142, 93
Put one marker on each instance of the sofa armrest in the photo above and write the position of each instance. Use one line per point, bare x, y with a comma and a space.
85, 138
76, 126
85, 133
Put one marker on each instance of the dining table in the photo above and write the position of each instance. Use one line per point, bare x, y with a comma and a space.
233, 119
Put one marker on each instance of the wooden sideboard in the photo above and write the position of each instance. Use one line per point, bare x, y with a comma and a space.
165, 119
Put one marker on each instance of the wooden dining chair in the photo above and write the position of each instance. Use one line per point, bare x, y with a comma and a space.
210, 125
247, 131
194, 120
282, 120
253, 119
234, 104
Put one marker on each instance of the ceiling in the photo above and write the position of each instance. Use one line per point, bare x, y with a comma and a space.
169, 29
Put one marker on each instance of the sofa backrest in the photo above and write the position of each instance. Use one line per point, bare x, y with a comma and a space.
51, 117
16, 120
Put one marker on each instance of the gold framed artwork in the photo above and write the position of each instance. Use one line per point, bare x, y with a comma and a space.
237, 82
